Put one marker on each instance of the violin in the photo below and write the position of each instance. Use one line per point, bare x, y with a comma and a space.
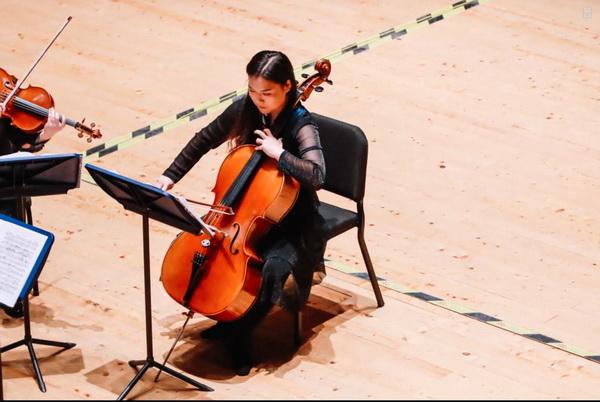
218, 272
28, 108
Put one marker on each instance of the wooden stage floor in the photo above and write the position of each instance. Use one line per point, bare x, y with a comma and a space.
483, 197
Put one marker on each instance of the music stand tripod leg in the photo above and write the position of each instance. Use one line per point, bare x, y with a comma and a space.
27, 203
138, 376
150, 362
28, 341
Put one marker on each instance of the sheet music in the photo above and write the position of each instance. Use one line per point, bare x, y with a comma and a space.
25, 154
15, 155
19, 251
209, 230
187, 206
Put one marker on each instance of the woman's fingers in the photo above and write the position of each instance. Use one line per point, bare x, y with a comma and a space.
55, 119
164, 183
263, 133
62, 120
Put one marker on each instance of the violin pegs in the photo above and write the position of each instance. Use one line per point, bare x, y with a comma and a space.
80, 134
304, 75
329, 82
92, 125
319, 89
88, 139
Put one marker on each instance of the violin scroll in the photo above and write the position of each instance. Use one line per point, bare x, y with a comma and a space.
92, 132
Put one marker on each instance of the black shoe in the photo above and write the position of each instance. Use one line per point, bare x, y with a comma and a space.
242, 363
244, 369
241, 347
16, 311
220, 330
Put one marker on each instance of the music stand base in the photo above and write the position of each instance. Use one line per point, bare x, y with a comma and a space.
148, 363
36, 366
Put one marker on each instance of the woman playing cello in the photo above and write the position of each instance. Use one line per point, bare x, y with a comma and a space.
268, 117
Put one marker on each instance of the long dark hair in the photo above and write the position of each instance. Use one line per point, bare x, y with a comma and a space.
273, 66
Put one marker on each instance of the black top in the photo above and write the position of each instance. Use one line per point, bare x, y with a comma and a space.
12, 139
302, 157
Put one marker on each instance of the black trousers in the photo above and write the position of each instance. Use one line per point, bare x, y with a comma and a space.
275, 272
8, 207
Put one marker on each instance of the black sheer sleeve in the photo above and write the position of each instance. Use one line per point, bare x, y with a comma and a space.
309, 166
210, 137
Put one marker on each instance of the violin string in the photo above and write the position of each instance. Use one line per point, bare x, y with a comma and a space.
25, 105
33, 108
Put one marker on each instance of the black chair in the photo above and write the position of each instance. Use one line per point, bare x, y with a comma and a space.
345, 148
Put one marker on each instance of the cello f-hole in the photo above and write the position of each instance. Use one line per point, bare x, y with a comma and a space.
237, 232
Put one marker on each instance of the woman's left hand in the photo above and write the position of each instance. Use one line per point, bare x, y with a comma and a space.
55, 123
270, 145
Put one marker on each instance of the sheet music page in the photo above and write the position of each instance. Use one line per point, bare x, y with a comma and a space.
207, 228
15, 155
188, 207
19, 250
25, 154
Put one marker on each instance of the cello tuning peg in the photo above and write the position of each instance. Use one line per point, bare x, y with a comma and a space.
329, 82
304, 75
88, 139
92, 125
319, 89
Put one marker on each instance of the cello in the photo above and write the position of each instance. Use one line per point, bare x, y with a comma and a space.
218, 273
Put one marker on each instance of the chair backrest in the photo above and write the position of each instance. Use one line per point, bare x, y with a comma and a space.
345, 148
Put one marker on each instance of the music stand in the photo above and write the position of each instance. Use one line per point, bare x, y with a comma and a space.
27, 175
150, 202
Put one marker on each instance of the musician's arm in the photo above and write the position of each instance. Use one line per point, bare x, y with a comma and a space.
211, 136
309, 166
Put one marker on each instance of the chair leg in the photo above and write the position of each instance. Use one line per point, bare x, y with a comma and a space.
298, 327
367, 257
371, 271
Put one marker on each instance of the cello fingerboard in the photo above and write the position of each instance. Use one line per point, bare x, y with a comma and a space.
240, 184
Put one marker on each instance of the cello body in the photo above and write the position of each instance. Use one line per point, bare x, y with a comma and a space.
227, 267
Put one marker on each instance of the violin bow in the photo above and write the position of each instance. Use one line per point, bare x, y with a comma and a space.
24, 77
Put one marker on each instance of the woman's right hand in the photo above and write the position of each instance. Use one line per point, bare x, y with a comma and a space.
164, 183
